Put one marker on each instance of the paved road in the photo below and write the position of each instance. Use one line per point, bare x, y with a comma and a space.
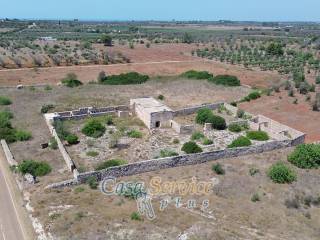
10, 228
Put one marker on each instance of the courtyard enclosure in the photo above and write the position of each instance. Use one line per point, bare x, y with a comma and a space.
158, 115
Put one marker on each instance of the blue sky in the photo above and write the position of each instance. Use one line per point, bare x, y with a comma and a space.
256, 10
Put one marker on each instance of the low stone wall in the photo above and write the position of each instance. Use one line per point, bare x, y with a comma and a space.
82, 113
183, 129
183, 160
8, 154
192, 110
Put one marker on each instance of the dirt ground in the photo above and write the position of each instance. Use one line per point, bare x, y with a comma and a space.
82, 213
281, 108
159, 60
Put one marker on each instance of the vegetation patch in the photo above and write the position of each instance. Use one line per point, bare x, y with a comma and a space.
71, 80
218, 169
205, 115
191, 147
92, 181
240, 142
200, 75
72, 139
110, 163
281, 173
234, 128
125, 79
93, 128
306, 156
46, 108
258, 135
135, 134
36, 169
92, 153
168, 153
226, 80
5, 100
207, 141
197, 136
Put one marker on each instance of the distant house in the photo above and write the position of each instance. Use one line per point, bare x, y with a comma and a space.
47, 39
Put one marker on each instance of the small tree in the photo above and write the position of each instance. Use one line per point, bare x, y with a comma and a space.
281, 173
106, 40
191, 147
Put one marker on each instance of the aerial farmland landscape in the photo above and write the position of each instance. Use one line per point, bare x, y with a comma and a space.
167, 120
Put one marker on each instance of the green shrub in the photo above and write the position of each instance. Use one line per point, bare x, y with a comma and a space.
253, 171
92, 153
234, 127
318, 80
176, 141
136, 216
135, 134
46, 108
197, 136
254, 95
226, 80
72, 139
61, 129
306, 156
110, 163
125, 79
79, 189
240, 142
255, 197
207, 141
21, 135
5, 115
5, 100
109, 120
281, 173
36, 169
217, 122
71, 80
258, 135
203, 115
161, 97
53, 143
218, 169
191, 147
167, 153
240, 113
92, 181
93, 128
200, 75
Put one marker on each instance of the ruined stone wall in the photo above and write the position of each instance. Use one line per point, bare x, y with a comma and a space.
183, 129
183, 160
192, 110
164, 117
8, 154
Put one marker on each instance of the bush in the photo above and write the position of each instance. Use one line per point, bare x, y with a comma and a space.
61, 130
21, 135
197, 136
217, 168
240, 113
5, 101
281, 173
53, 143
161, 97
240, 142
93, 128
136, 216
36, 169
191, 147
255, 197
318, 80
71, 80
72, 139
92, 181
110, 163
125, 79
258, 135
200, 75
203, 115
207, 141
254, 95
109, 120
253, 171
234, 127
167, 153
226, 80
217, 122
46, 108
92, 153
306, 156
135, 134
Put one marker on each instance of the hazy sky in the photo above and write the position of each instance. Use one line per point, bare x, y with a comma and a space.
261, 10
